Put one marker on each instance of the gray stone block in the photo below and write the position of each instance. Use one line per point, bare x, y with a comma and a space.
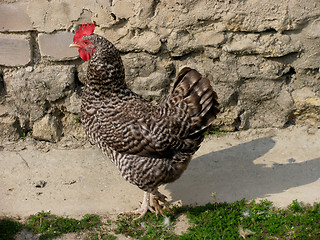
56, 46
13, 17
14, 50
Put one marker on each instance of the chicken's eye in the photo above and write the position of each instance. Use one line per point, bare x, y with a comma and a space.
86, 42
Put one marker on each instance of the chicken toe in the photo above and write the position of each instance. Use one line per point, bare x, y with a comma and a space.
157, 196
144, 208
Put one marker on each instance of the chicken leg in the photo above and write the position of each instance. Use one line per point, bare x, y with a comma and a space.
145, 206
156, 197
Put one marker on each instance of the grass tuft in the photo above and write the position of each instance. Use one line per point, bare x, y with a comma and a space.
212, 131
237, 220
259, 220
9, 228
51, 226
149, 227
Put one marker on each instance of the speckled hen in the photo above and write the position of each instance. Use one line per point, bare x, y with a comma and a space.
150, 144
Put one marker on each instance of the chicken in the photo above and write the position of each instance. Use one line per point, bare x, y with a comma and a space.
150, 144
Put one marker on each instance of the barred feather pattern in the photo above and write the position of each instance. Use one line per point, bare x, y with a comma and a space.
150, 144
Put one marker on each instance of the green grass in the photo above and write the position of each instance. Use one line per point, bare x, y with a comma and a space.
8, 228
77, 120
262, 220
212, 131
149, 227
50, 226
237, 220
23, 135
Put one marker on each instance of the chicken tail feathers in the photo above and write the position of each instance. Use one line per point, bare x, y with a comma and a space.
194, 93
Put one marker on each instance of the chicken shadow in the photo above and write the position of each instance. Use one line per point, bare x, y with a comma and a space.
232, 175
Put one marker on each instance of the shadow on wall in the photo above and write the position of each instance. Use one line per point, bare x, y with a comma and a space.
232, 175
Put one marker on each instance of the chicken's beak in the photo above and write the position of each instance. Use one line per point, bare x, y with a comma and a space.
72, 45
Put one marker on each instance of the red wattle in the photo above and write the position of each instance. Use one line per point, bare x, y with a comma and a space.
84, 54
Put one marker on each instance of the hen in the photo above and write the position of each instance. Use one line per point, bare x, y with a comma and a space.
150, 144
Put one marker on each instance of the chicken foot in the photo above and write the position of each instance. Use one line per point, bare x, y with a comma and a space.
157, 196
145, 205
144, 208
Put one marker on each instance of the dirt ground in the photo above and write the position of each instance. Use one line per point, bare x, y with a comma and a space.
279, 165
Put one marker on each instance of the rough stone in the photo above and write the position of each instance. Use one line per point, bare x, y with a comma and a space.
263, 16
258, 67
73, 103
314, 30
47, 129
277, 45
150, 86
307, 107
147, 75
256, 91
123, 9
307, 112
145, 9
139, 65
275, 112
212, 52
303, 93
262, 59
228, 120
34, 93
9, 125
182, 42
15, 50
54, 15
82, 72
56, 46
209, 38
147, 41
178, 43
72, 128
49, 16
13, 17
103, 18
309, 57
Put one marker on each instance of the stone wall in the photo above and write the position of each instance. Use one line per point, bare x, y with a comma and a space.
262, 57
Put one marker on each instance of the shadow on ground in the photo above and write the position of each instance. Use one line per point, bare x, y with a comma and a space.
232, 174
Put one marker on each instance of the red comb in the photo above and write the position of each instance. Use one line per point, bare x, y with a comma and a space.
83, 31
